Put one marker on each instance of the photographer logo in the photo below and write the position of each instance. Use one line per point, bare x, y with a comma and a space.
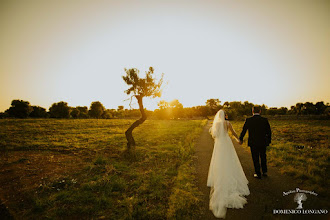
299, 198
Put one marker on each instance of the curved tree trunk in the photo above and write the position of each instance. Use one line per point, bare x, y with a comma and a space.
128, 133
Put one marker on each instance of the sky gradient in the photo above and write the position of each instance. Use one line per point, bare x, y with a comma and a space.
267, 52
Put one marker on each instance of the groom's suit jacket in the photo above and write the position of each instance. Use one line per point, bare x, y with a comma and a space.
259, 131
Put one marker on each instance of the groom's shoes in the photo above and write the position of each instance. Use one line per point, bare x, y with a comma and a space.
264, 174
257, 176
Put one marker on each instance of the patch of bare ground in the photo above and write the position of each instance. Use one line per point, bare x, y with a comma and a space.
22, 172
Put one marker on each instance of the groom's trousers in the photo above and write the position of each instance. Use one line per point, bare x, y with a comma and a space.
259, 151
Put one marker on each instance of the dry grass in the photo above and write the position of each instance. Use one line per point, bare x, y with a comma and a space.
310, 165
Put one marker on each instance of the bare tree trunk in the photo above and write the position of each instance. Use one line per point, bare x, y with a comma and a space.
128, 133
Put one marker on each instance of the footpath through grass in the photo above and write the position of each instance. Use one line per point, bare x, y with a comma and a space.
85, 175
310, 165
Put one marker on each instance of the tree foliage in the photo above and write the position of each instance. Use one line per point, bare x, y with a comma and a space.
213, 105
168, 110
38, 112
74, 113
83, 111
142, 87
96, 110
107, 114
60, 110
19, 109
237, 109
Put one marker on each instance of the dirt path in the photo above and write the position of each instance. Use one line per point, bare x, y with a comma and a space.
266, 194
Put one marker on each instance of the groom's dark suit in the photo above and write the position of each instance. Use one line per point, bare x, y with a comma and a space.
259, 139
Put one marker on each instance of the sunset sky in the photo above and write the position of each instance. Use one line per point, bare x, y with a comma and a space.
271, 52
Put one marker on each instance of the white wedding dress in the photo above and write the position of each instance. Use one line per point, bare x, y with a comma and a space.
226, 176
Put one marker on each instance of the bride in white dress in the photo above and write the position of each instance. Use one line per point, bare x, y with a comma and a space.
226, 176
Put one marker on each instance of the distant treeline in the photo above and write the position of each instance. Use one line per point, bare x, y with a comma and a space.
166, 110
237, 109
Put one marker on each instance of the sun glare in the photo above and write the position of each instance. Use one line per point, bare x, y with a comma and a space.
271, 53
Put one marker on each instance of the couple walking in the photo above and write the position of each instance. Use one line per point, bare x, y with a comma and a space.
226, 176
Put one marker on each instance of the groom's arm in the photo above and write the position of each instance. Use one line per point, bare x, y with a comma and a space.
245, 127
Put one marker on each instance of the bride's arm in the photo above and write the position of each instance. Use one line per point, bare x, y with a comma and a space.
233, 131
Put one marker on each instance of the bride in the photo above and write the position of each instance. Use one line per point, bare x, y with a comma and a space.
226, 176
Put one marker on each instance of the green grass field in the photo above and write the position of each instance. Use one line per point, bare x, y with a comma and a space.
76, 169
309, 166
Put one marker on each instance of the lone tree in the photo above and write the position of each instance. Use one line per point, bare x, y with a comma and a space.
140, 88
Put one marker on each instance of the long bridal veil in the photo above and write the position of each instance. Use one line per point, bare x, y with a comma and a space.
226, 176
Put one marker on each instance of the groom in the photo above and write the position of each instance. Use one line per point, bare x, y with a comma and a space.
259, 139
